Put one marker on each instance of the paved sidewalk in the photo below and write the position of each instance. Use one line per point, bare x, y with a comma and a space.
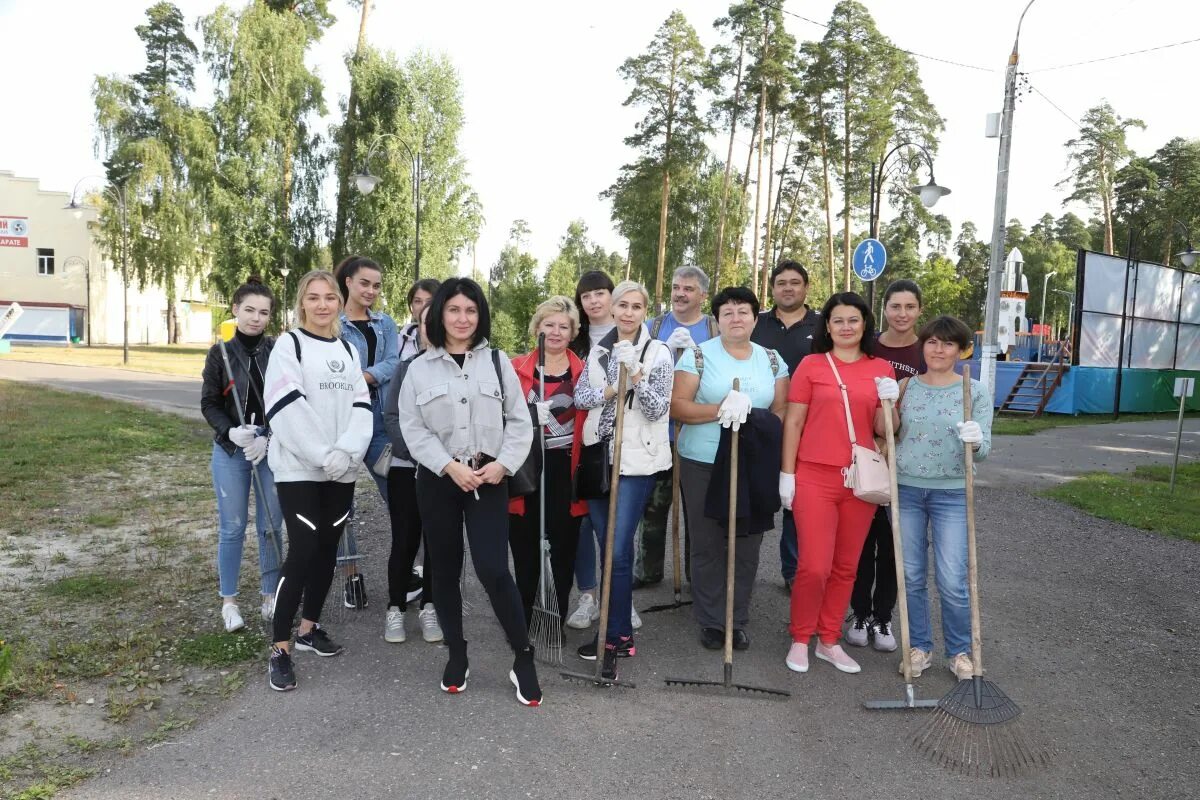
1059, 454
171, 393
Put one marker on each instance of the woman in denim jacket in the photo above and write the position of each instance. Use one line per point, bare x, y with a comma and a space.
238, 450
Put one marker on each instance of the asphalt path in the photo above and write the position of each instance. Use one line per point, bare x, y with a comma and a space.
174, 393
1090, 626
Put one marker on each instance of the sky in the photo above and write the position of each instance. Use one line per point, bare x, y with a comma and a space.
543, 100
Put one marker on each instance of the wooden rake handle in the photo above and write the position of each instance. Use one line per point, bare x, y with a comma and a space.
972, 560
897, 542
731, 546
610, 533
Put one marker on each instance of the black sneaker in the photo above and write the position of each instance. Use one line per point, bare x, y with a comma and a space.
318, 641
608, 670
740, 640
280, 674
415, 586
524, 676
354, 594
624, 649
454, 676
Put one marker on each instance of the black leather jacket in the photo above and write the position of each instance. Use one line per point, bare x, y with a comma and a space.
215, 404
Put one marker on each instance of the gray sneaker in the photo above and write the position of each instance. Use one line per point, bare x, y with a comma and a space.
858, 632
586, 613
393, 625
882, 637
431, 631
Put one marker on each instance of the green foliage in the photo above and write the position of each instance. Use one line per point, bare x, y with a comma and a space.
88, 588
1096, 154
418, 107
515, 292
221, 649
1163, 193
1141, 500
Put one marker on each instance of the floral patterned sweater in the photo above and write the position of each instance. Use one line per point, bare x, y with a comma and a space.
929, 454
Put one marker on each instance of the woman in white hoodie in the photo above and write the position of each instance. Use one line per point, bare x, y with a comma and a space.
319, 408
645, 449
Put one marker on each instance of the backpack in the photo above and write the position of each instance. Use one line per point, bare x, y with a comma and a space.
299, 357
656, 326
698, 355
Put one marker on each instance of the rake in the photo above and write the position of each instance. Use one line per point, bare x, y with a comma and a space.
274, 536
545, 628
909, 701
596, 678
976, 730
676, 511
726, 685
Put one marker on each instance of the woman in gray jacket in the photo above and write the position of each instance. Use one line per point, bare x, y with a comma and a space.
467, 427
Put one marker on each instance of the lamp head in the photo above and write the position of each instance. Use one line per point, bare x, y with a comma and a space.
1188, 257
365, 182
285, 271
930, 193
75, 209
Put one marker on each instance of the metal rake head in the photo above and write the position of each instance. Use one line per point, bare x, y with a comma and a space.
1000, 750
979, 702
728, 688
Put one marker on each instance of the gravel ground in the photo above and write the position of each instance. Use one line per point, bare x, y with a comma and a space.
1089, 625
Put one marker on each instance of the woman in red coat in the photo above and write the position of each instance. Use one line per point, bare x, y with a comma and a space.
562, 426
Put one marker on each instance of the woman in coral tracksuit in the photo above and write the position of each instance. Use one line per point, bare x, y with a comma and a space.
831, 523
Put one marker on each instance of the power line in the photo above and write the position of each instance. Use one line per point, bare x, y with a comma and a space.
1073, 121
879, 41
1118, 55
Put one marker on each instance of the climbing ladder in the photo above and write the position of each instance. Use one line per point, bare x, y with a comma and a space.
1035, 386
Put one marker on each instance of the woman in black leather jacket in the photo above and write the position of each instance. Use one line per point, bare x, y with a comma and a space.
238, 451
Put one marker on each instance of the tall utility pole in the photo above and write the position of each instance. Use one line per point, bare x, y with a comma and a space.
991, 311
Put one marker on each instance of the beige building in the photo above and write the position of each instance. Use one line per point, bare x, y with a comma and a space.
53, 265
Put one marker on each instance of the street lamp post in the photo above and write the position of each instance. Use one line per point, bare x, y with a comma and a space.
365, 182
929, 193
116, 193
285, 271
77, 261
1070, 310
1188, 256
1042, 316
991, 312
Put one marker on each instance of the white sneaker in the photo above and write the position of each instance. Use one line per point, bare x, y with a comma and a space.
919, 660
961, 666
268, 609
634, 619
585, 614
431, 631
393, 625
882, 637
233, 617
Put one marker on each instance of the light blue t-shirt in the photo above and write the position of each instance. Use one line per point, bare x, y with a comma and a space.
699, 442
698, 330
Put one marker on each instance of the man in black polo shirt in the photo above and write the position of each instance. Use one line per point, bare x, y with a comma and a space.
788, 328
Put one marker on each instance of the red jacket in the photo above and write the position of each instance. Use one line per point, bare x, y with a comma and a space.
525, 367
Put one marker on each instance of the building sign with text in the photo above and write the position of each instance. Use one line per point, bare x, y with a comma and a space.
14, 231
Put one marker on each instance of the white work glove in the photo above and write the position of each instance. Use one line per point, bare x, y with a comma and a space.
887, 389
256, 451
623, 353
243, 435
969, 432
735, 408
337, 464
680, 339
787, 489
543, 413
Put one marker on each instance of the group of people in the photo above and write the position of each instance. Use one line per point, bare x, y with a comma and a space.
442, 421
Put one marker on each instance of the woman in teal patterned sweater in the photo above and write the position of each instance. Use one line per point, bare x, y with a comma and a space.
933, 506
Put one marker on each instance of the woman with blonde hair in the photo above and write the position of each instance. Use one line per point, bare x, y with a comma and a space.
319, 409
645, 452
548, 385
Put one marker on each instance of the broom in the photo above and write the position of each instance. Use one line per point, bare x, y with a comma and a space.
975, 729
545, 628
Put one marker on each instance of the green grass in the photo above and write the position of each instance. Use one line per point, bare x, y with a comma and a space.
221, 649
49, 440
1005, 425
89, 588
1141, 500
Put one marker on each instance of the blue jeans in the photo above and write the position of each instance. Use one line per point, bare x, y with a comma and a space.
379, 440
585, 557
632, 495
943, 512
232, 480
788, 547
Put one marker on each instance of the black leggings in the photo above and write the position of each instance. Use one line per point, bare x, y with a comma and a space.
524, 535
444, 509
406, 538
875, 586
315, 513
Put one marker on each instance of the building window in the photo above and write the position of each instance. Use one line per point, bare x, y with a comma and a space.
45, 261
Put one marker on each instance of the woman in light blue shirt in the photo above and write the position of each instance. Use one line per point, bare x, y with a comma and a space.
933, 503
703, 400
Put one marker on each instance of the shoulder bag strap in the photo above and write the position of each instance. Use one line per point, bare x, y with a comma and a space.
845, 398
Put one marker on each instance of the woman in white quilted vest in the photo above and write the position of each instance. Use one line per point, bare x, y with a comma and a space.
645, 449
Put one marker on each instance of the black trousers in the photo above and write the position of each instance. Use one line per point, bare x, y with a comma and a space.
315, 513
875, 586
444, 510
406, 538
562, 530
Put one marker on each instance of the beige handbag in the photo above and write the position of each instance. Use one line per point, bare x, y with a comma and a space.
867, 474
